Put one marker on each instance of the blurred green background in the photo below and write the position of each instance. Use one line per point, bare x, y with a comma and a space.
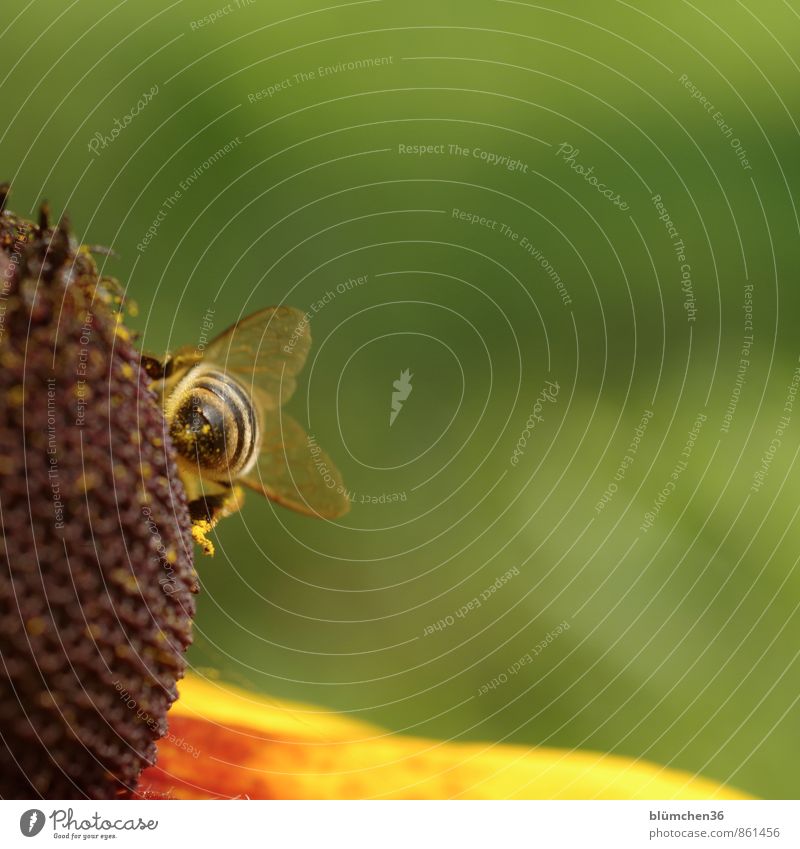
683, 638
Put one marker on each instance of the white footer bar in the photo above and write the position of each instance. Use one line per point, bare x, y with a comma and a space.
385, 825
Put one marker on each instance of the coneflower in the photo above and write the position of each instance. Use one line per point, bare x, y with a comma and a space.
97, 574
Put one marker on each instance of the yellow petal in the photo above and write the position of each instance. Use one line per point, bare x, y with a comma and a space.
225, 742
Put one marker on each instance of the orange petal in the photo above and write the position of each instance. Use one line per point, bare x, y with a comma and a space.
225, 743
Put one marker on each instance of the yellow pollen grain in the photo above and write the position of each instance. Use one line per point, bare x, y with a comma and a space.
166, 657
94, 631
127, 371
122, 331
87, 481
10, 359
15, 395
35, 626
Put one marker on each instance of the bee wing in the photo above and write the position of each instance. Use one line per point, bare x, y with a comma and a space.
264, 352
294, 471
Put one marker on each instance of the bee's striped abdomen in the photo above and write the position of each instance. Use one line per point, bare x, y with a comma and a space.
213, 424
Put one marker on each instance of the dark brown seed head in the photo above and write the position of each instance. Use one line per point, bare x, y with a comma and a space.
96, 560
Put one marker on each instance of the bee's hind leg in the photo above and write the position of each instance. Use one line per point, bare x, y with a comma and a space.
206, 510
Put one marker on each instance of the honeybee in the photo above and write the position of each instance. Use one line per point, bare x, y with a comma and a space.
223, 408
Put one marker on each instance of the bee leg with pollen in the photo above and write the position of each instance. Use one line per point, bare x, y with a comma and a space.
206, 509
